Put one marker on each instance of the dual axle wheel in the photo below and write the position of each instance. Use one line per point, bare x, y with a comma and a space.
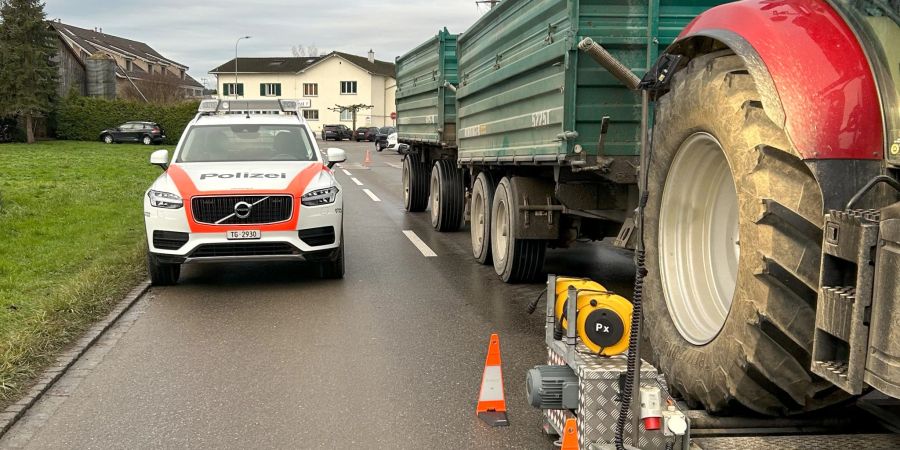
493, 215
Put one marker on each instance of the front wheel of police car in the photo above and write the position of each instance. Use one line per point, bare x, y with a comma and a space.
244, 188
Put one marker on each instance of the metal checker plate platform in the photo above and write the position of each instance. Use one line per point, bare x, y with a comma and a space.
818, 442
598, 397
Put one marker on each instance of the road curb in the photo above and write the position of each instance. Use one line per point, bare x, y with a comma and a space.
14, 412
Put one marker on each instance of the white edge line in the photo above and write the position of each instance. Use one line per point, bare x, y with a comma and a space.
423, 248
358, 183
347, 172
371, 195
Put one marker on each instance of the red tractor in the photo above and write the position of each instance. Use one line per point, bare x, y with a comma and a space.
772, 221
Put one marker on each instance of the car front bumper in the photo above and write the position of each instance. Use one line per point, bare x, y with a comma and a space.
316, 237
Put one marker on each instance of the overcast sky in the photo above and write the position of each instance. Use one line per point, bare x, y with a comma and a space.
201, 33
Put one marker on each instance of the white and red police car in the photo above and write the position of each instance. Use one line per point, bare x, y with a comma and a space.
246, 182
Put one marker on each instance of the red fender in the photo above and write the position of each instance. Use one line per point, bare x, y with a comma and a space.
828, 99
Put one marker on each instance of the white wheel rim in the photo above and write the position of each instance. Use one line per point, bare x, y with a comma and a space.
107, 139
147, 140
699, 239
478, 219
501, 224
435, 196
406, 183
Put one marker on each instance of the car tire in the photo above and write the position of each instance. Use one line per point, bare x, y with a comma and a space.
515, 260
480, 226
161, 273
147, 140
447, 196
107, 138
334, 269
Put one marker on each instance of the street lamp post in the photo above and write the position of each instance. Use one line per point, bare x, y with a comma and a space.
238, 41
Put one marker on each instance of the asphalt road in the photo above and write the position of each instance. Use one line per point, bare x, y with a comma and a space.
268, 356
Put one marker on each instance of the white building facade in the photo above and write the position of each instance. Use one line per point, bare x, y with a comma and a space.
336, 79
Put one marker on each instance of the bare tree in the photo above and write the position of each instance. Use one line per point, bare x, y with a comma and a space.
156, 88
301, 50
353, 110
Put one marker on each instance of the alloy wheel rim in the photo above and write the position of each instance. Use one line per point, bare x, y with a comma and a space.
699, 244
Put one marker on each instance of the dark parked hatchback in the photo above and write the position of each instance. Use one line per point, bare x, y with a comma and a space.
336, 132
365, 134
144, 132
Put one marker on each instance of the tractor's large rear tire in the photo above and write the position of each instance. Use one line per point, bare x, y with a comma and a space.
415, 184
733, 233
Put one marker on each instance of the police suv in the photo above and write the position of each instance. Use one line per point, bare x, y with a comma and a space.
246, 182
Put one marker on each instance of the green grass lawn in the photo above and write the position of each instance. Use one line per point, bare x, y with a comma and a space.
71, 244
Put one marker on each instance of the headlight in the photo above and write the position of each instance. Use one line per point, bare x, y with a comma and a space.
168, 200
319, 197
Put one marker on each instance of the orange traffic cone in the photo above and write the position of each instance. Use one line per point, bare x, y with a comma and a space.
368, 158
491, 401
570, 435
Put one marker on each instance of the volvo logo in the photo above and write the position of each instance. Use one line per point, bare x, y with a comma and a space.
242, 210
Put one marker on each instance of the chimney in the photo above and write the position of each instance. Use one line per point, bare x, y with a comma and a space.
371, 56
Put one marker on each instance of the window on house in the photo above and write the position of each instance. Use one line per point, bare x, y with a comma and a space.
348, 87
310, 89
129, 65
150, 68
270, 89
346, 115
311, 114
228, 89
182, 74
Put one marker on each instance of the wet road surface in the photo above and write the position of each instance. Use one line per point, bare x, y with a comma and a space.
270, 356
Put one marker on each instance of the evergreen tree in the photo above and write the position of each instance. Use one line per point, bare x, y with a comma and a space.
27, 73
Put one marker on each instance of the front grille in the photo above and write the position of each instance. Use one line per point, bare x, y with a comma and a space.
317, 236
169, 240
244, 249
266, 209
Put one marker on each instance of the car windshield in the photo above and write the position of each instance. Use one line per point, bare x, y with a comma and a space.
246, 142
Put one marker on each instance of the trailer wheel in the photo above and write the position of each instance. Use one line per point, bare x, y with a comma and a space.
415, 184
480, 226
447, 196
515, 260
733, 233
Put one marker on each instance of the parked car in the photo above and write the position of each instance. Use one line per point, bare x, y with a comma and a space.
381, 139
144, 132
245, 189
365, 134
336, 132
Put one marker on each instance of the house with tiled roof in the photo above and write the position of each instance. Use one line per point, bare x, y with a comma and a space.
336, 78
85, 55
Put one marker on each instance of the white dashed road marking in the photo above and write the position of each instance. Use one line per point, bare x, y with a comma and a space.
424, 248
358, 183
371, 195
347, 172
396, 166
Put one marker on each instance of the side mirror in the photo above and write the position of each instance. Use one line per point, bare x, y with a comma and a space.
160, 158
334, 156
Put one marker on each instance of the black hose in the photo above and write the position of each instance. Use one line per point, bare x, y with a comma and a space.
628, 384
533, 305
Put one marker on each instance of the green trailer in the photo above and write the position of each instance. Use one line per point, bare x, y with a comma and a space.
426, 101
547, 141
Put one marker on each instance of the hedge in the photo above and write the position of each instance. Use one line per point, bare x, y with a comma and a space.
83, 118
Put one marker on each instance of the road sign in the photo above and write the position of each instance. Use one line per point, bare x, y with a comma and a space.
393, 116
